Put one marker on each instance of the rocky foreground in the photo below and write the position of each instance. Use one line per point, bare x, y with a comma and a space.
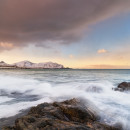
67, 115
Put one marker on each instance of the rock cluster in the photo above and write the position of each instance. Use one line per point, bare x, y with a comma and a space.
124, 86
68, 115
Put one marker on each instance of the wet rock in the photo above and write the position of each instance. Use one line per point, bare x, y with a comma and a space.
11, 120
67, 115
124, 86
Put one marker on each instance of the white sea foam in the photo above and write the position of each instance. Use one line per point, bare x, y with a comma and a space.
114, 106
4, 99
13, 109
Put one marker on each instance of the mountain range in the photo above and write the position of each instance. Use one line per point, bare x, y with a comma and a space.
28, 64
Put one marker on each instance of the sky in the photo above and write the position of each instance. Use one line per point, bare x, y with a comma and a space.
91, 34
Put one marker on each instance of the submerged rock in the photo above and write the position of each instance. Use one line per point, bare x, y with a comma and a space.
124, 86
67, 115
94, 89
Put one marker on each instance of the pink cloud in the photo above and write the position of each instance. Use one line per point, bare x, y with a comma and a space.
102, 51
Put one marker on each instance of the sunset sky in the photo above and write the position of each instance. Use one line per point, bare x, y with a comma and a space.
75, 33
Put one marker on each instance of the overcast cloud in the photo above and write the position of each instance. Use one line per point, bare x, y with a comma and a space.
24, 22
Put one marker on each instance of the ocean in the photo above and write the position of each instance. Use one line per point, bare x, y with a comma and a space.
22, 88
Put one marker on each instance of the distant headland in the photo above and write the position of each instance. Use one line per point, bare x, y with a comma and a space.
30, 65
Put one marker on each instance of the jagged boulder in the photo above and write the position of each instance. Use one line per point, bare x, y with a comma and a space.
67, 115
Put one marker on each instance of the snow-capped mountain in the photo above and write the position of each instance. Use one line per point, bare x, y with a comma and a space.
28, 64
23, 64
3, 64
47, 65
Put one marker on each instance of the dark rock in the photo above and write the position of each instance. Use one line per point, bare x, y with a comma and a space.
67, 115
124, 86
9, 121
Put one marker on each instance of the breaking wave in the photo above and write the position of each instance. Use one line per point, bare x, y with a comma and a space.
17, 94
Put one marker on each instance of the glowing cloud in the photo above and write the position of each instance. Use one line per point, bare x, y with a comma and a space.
5, 45
71, 56
102, 51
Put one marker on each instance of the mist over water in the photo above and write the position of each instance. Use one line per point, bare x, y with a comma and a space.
21, 89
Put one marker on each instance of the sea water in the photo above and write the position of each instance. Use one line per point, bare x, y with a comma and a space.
21, 89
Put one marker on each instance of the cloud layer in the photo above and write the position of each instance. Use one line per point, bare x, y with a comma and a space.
24, 22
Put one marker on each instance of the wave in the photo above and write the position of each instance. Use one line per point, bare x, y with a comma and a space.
17, 94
